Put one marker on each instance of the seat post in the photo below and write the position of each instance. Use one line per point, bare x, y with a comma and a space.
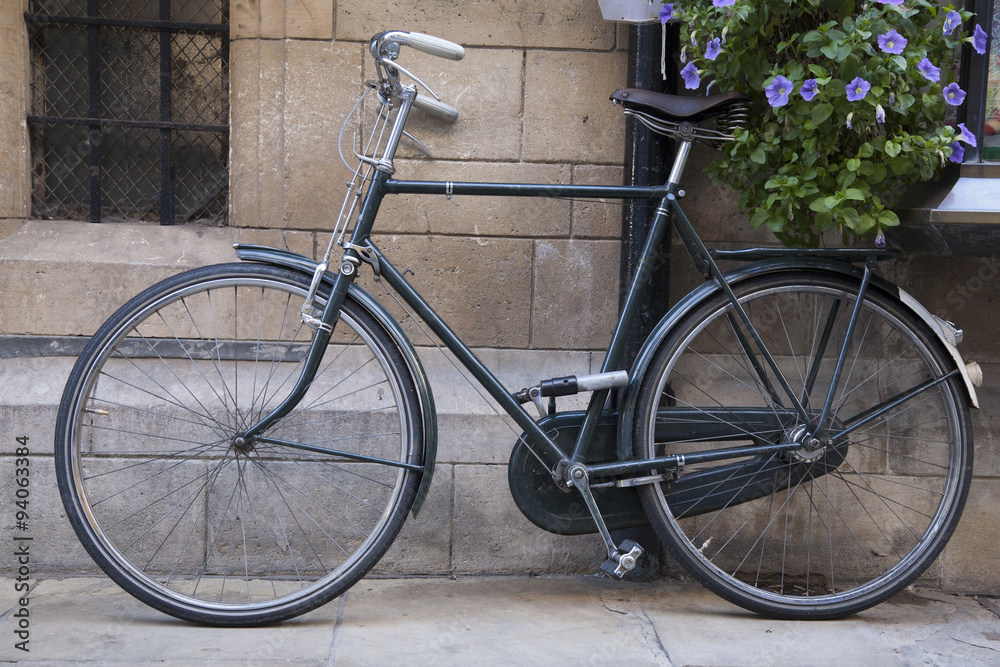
680, 161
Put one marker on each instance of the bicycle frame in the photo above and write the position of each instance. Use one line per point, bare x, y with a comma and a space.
573, 470
669, 210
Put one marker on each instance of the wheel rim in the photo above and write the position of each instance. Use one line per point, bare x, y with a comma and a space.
251, 529
805, 545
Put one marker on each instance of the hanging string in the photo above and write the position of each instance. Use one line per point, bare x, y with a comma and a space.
663, 50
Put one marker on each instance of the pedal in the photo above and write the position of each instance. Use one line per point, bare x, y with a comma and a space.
623, 560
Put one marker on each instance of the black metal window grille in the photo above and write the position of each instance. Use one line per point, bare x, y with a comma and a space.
130, 109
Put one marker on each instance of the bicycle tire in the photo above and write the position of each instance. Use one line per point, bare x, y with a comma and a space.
213, 531
832, 528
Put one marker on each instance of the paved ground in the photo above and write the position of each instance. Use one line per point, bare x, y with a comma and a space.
501, 621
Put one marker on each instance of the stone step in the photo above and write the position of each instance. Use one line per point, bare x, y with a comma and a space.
468, 523
65, 278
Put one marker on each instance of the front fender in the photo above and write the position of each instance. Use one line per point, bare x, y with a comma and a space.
709, 289
306, 266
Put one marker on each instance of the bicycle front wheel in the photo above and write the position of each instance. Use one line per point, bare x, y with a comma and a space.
841, 522
184, 515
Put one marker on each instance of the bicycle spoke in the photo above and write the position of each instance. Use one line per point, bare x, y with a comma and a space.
845, 518
195, 518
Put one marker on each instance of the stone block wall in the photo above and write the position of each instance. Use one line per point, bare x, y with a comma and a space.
531, 284
533, 97
14, 161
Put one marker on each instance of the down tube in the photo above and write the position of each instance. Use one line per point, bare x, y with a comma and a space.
467, 358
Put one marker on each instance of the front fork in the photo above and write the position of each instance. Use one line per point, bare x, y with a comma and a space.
324, 325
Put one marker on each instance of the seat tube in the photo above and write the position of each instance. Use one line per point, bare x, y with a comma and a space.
646, 265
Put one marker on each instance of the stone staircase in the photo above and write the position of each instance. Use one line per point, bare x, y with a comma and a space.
61, 280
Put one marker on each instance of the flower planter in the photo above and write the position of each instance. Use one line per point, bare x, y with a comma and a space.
631, 11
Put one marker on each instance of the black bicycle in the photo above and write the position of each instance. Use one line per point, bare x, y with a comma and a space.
241, 443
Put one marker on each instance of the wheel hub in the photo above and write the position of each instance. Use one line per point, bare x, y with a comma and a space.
812, 447
242, 445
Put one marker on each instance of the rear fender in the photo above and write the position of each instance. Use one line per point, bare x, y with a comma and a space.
428, 413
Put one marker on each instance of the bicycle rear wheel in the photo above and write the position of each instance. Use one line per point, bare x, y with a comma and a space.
186, 517
832, 527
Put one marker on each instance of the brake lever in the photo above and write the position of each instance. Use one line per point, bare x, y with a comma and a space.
393, 64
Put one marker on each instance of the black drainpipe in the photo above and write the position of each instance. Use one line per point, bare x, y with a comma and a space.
647, 162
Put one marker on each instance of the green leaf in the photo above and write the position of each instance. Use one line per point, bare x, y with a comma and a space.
759, 156
892, 148
854, 164
900, 165
821, 112
849, 68
813, 37
850, 216
760, 217
904, 101
855, 194
819, 205
865, 224
888, 219
830, 51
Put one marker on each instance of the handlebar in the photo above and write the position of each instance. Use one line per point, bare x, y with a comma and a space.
436, 108
384, 48
435, 46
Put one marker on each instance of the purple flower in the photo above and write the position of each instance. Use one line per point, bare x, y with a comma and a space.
979, 40
667, 12
690, 76
892, 42
951, 21
723, 3
928, 70
778, 92
850, 126
808, 90
957, 151
953, 95
880, 237
857, 89
713, 49
965, 135
890, 2
879, 114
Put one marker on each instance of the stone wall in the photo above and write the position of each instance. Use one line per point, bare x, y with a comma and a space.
531, 284
14, 163
532, 92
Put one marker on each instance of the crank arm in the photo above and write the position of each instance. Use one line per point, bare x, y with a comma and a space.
621, 559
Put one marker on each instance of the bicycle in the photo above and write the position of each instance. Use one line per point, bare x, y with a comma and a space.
241, 443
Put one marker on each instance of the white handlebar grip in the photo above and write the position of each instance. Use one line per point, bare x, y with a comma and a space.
436, 108
435, 46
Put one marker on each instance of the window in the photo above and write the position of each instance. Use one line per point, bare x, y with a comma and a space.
129, 109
